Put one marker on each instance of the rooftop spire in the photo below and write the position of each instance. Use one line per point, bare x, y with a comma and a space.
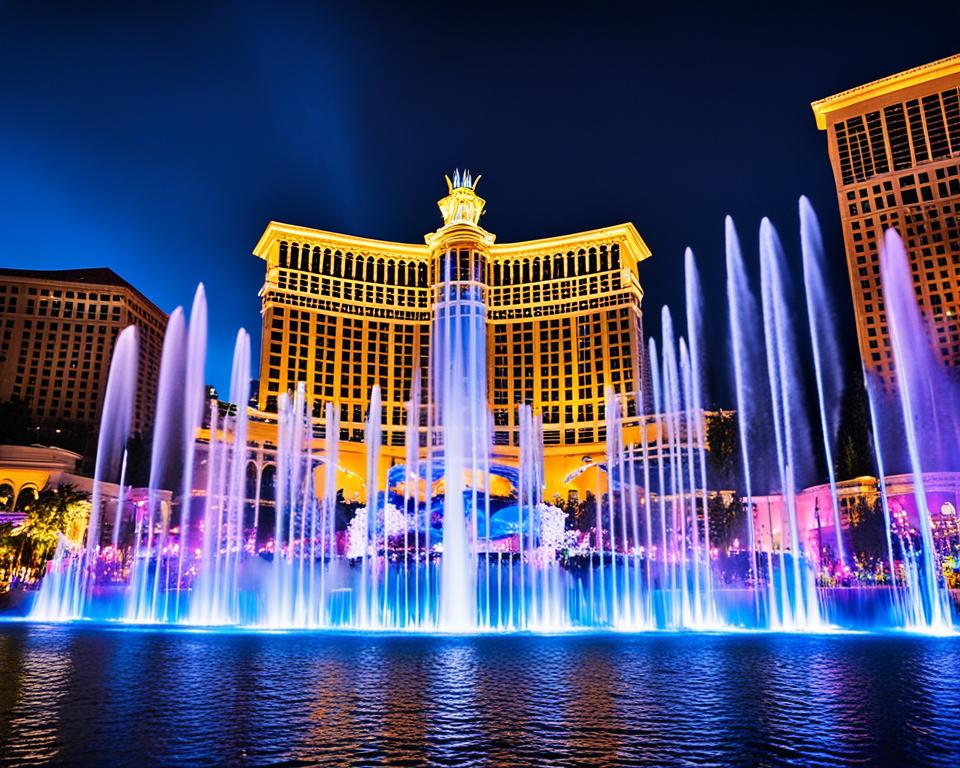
462, 205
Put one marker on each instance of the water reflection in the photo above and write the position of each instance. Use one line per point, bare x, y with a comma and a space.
104, 696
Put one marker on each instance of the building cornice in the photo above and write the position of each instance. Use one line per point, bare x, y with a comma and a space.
626, 234
886, 85
279, 231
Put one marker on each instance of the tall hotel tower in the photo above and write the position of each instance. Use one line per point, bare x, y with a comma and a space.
59, 329
550, 323
895, 149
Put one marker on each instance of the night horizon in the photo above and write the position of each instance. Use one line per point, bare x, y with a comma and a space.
145, 143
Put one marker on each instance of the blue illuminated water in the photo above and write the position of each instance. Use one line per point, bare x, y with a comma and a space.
98, 695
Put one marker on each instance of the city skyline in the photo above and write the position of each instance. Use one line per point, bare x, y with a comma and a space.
152, 196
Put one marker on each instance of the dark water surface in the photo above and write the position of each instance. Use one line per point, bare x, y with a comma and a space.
105, 696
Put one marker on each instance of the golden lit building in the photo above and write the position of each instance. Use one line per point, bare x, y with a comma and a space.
563, 323
895, 149
59, 329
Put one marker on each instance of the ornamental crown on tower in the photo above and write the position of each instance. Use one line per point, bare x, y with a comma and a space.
462, 205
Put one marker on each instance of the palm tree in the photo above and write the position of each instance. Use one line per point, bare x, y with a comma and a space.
61, 510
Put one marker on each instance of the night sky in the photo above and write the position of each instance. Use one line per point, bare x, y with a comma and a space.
160, 142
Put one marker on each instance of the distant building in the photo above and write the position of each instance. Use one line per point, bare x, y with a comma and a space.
59, 329
815, 515
895, 149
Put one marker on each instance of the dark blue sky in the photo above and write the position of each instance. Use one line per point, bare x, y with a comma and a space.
160, 141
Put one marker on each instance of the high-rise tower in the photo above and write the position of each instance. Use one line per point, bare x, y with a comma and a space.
895, 149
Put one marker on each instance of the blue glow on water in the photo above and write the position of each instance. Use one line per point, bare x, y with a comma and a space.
180, 696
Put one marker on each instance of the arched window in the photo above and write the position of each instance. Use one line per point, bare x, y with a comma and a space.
581, 262
283, 254
348, 269
558, 266
268, 493
546, 268
571, 264
422, 270
525, 274
315, 267
496, 273
360, 264
616, 256
295, 256
250, 494
326, 262
536, 270
391, 272
251, 475
604, 259
25, 499
337, 263
380, 272
592, 260
6, 497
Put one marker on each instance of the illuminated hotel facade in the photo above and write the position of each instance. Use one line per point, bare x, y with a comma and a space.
563, 324
59, 329
894, 145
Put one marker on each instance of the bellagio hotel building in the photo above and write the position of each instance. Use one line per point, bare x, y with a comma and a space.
563, 323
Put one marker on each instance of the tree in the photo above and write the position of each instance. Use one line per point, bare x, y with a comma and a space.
8, 549
723, 455
854, 453
61, 510
867, 534
726, 520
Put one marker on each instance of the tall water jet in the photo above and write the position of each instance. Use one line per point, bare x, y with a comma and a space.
328, 542
216, 599
74, 572
619, 491
681, 609
826, 359
294, 508
529, 501
649, 547
882, 480
785, 397
699, 609
459, 396
663, 554
411, 498
193, 397
915, 370
151, 545
370, 562
742, 309
694, 302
